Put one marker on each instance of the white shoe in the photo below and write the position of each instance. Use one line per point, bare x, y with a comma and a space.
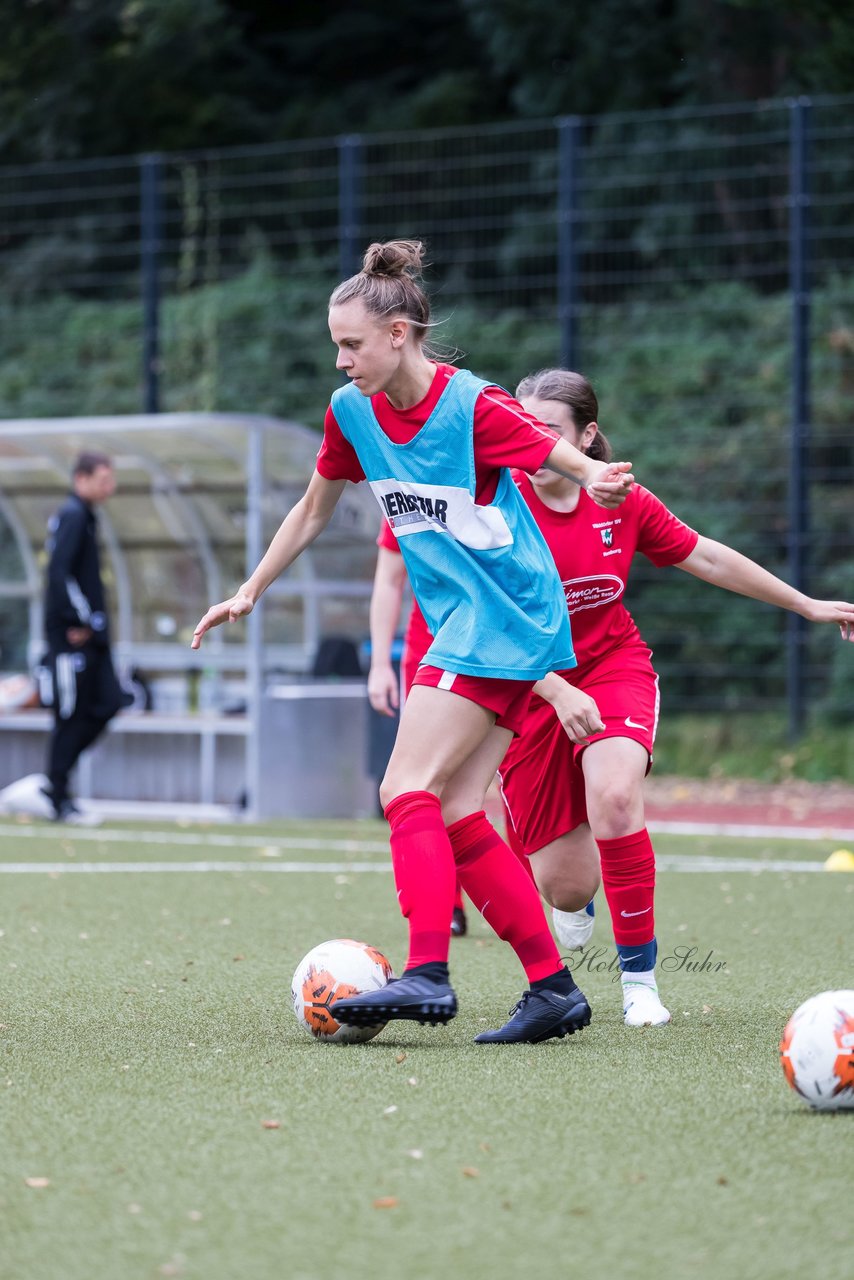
573, 928
26, 798
82, 818
71, 814
642, 1006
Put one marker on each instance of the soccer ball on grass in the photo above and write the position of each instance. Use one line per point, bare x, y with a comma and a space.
817, 1050
333, 971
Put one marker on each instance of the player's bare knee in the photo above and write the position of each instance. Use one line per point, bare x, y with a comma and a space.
388, 792
550, 885
396, 784
573, 897
564, 882
616, 811
402, 777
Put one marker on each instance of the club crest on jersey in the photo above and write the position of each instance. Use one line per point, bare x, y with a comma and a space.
607, 536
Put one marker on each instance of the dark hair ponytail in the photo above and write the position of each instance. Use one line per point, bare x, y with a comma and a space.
573, 390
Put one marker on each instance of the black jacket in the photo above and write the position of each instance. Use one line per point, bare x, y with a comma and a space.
75, 593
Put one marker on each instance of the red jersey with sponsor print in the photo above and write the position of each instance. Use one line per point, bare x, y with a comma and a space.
504, 435
418, 638
593, 550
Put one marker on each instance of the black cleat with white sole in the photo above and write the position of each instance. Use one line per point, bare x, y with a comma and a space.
541, 1015
459, 924
412, 996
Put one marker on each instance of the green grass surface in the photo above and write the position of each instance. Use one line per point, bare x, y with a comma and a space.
147, 1035
756, 745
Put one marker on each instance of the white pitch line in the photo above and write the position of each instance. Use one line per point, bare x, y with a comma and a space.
664, 863
677, 862
749, 831
213, 839
143, 868
223, 840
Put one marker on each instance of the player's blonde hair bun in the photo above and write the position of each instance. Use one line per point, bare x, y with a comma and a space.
394, 258
389, 284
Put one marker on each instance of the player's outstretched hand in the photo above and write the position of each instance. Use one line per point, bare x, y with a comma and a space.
613, 485
228, 611
838, 611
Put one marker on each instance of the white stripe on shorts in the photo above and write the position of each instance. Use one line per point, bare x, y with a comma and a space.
66, 685
446, 680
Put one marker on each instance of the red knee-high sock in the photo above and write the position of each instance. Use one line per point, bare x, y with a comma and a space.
424, 873
458, 897
504, 894
628, 878
515, 844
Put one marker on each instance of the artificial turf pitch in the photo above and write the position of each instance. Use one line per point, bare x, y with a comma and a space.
153, 1074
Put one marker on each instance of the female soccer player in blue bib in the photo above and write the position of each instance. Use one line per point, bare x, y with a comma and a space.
436, 445
572, 779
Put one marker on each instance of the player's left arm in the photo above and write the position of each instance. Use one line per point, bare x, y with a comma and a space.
305, 521
607, 483
724, 567
505, 435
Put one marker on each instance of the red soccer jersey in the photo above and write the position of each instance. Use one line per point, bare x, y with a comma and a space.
418, 638
593, 550
504, 435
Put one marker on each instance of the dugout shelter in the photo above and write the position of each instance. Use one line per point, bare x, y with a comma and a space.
244, 720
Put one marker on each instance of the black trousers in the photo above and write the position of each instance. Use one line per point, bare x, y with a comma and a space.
86, 696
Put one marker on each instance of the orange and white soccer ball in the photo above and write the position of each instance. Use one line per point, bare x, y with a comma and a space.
817, 1050
333, 971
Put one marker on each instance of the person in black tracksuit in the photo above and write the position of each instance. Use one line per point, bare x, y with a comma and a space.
86, 693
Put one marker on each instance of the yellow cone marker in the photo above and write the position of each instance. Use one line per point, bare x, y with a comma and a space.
840, 860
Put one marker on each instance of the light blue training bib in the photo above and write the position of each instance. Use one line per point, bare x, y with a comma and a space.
482, 575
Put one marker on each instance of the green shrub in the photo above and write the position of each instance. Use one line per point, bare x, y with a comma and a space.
694, 390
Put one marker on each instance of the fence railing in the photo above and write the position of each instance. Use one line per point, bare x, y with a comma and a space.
697, 264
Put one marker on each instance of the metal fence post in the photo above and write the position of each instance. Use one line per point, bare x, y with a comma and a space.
569, 156
349, 203
800, 403
151, 218
255, 621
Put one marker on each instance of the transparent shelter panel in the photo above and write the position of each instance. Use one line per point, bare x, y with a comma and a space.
178, 534
198, 499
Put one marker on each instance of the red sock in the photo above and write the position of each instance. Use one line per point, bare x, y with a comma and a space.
504, 894
423, 874
458, 897
515, 844
628, 878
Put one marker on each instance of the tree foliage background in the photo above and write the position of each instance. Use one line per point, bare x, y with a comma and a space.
85, 78
687, 346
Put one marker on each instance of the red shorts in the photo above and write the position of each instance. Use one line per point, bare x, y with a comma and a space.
542, 783
408, 669
507, 698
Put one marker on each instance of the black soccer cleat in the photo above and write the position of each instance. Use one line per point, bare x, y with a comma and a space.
411, 996
459, 924
541, 1015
